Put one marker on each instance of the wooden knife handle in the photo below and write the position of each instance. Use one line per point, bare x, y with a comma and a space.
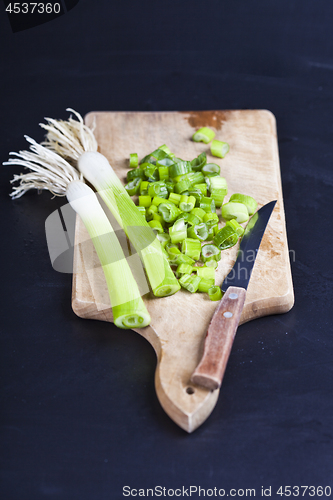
220, 336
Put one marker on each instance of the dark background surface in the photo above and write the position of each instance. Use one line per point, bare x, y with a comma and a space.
80, 418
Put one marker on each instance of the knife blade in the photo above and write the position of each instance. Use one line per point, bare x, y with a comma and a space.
223, 326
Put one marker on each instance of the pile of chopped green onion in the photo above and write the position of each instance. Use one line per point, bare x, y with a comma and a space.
178, 199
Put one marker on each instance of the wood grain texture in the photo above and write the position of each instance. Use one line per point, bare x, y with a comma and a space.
180, 322
219, 339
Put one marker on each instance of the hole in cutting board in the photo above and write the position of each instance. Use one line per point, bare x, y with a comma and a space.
189, 390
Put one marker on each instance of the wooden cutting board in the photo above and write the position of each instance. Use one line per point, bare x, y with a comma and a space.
179, 323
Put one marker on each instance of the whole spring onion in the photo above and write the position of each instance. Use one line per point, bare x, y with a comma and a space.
128, 308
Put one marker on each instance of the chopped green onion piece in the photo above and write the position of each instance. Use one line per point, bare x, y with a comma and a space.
170, 186
215, 293
134, 160
160, 153
234, 210
191, 219
136, 172
150, 212
97, 170
187, 203
144, 187
165, 148
195, 177
197, 194
172, 248
225, 238
236, 227
211, 219
175, 198
149, 169
159, 218
204, 134
163, 238
133, 186
199, 162
144, 201
198, 212
199, 232
164, 162
190, 283
157, 200
128, 308
248, 201
163, 172
175, 255
156, 226
169, 211
211, 168
192, 248
207, 273
207, 204
180, 168
205, 285
158, 189
219, 148
183, 259
210, 251
184, 269
218, 189
211, 233
178, 231
202, 187
182, 186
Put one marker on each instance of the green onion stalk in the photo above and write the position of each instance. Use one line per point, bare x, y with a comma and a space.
50, 171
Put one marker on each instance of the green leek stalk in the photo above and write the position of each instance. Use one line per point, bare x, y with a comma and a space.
97, 170
127, 305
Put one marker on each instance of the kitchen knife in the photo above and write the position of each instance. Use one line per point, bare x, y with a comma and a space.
223, 326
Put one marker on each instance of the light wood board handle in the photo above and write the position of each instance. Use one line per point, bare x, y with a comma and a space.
220, 336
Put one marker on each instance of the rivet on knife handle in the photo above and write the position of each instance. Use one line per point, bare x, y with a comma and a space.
220, 336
